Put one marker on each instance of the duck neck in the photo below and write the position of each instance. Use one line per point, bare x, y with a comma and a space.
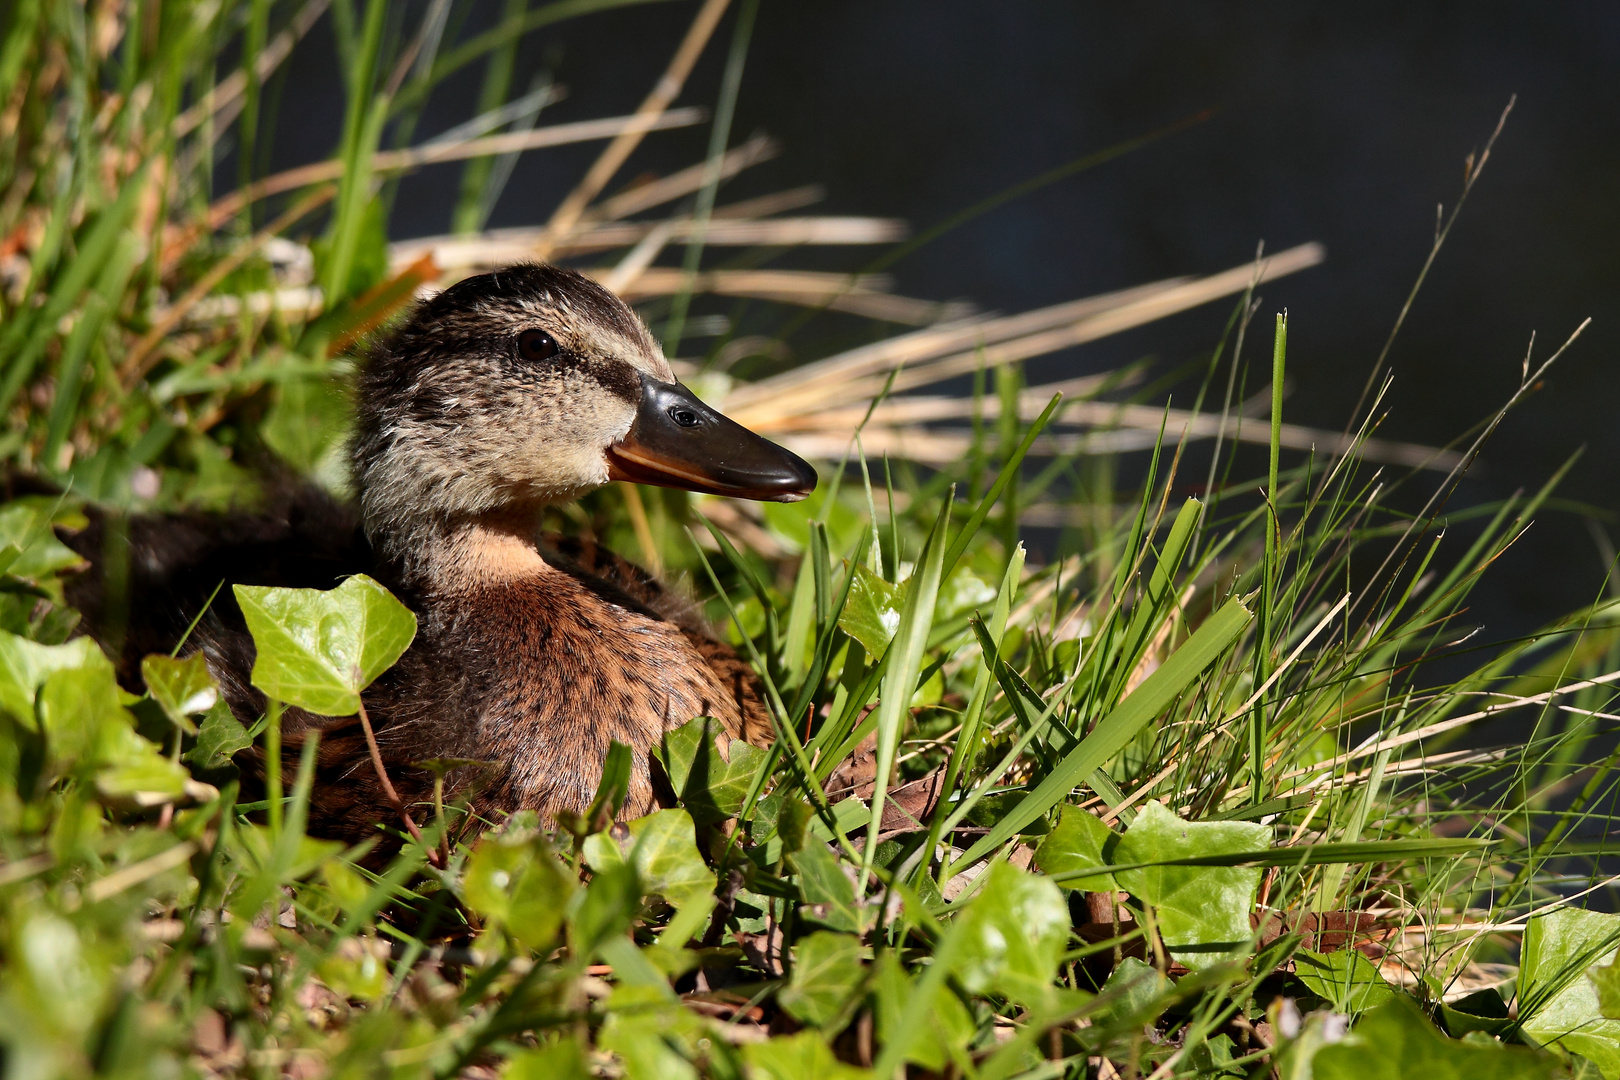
470, 554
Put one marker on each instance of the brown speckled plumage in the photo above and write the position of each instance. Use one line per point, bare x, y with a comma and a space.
532, 653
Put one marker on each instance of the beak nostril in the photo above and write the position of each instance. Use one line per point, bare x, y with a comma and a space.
684, 417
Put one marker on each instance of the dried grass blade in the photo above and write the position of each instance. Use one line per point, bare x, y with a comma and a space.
568, 213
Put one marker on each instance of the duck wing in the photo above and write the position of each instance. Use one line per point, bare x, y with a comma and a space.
600, 566
141, 602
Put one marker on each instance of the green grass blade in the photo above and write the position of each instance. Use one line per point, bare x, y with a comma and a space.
1117, 729
906, 651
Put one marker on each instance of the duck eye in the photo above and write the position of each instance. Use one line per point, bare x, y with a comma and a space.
683, 416
536, 345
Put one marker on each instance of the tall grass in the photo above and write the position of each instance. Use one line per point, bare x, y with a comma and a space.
1176, 803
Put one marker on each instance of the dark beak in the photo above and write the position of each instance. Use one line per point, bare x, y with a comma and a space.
677, 441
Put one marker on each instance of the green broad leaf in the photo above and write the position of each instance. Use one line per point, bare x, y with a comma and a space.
711, 787
27, 524
355, 971
80, 714
804, 1056
1606, 981
1213, 1058
258, 847
872, 614
310, 417
563, 1059
219, 737
520, 885
946, 1023
1558, 1005
182, 688
1346, 980
1077, 843
1202, 912
665, 855
1013, 935
1115, 731
659, 853
611, 900
1134, 994
24, 666
829, 895
1396, 1042
827, 979
318, 650
131, 770
640, 1041
1483, 1010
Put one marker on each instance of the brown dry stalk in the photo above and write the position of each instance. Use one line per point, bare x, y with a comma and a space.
386, 161
383, 299
568, 212
388, 787
937, 355
141, 358
229, 89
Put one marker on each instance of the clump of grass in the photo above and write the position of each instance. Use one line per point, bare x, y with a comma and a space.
1174, 805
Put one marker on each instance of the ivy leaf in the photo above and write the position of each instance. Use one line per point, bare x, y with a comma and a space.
711, 787
1202, 911
804, 1056
24, 666
26, 524
1013, 935
132, 770
1346, 980
827, 976
563, 1059
309, 418
1558, 1006
1396, 1042
872, 615
318, 649
666, 857
1135, 993
948, 1022
611, 901
519, 884
829, 895
1606, 980
658, 855
180, 687
1078, 842
219, 738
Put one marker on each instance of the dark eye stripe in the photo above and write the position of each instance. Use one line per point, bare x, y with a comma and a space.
618, 378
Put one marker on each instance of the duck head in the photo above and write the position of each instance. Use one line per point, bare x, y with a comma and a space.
534, 385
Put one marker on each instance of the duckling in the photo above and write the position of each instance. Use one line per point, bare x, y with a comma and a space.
504, 394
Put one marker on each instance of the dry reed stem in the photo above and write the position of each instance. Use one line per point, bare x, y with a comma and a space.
839, 292
229, 89
388, 161
941, 447
669, 188
808, 381
503, 247
140, 358
832, 379
569, 211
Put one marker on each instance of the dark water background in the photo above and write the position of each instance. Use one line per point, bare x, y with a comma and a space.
1341, 123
